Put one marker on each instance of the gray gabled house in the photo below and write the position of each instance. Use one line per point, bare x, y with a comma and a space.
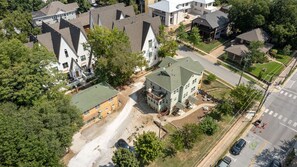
173, 85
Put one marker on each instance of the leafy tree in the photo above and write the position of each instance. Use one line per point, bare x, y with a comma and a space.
168, 48
162, 34
255, 54
17, 24
148, 147
181, 32
208, 126
24, 76
194, 36
287, 50
124, 158
108, 2
226, 107
211, 78
84, 5
244, 97
248, 14
115, 62
185, 137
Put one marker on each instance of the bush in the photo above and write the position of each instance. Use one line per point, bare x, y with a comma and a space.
208, 126
287, 50
273, 52
211, 78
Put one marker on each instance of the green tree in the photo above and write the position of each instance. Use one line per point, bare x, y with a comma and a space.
181, 32
124, 158
287, 50
194, 36
211, 78
243, 97
168, 48
84, 5
226, 107
115, 62
185, 137
24, 76
162, 34
255, 54
148, 147
208, 126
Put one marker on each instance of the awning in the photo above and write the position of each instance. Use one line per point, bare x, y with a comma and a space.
180, 105
193, 99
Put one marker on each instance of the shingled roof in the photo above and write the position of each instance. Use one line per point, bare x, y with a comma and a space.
137, 28
213, 20
254, 35
105, 16
54, 7
239, 50
176, 74
53, 33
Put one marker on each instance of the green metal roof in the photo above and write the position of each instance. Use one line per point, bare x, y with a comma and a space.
92, 96
177, 74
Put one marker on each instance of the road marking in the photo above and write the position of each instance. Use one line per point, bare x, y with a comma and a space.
275, 114
289, 127
270, 112
295, 124
294, 97
290, 91
281, 92
234, 159
290, 95
286, 94
293, 82
280, 117
285, 119
290, 121
266, 110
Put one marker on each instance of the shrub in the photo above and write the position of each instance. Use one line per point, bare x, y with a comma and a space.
208, 126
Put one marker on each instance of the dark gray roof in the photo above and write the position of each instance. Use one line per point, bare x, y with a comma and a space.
108, 14
137, 28
177, 74
53, 33
254, 35
53, 7
213, 20
239, 50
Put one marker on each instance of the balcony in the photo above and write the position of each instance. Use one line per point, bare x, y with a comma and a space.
156, 95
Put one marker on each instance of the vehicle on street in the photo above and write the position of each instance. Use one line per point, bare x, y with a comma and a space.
225, 162
121, 143
237, 147
275, 163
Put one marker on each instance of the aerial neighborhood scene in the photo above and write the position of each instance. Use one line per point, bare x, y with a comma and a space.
156, 83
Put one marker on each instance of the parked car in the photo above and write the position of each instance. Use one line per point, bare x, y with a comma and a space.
237, 147
121, 143
275, 163
225, 162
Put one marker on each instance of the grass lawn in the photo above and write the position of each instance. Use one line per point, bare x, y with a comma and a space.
283, 58
215, 88
272, 68
189, 158
207, 47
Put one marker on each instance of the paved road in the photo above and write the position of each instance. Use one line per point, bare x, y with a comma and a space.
219, 71
274, 139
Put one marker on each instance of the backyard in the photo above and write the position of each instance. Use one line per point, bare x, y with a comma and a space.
266, 70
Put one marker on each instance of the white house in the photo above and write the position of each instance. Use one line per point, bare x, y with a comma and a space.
172, 12
65, 39
53, 12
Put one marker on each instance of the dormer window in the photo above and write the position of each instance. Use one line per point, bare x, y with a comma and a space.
150, 43
66, 53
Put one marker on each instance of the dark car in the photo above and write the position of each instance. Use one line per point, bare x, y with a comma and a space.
123, 144
225, 162
238, 146
275, 163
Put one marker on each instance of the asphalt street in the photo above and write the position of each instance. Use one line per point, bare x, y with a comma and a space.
273, 138
219, 71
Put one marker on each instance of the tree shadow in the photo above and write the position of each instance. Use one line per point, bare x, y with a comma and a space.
185, 48
107, 165
169, 152
267, 155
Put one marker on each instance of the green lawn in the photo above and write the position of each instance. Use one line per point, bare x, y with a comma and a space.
268, 69
283, 58
215, 88
207, 47
189, 158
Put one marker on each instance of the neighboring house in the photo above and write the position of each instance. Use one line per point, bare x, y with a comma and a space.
238, 50
66, 40
96, 102
53, 12
173, 86
84, 19
212, 25
173, 12
141, 29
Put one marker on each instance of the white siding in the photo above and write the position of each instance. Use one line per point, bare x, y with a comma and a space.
54, 18
63, 58
154, 59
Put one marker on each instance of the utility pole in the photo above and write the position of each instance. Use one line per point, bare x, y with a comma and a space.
246, 59
265, 94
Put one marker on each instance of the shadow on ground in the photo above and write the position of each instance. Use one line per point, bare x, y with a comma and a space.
141, 104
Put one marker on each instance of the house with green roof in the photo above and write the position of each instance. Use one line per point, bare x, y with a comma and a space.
173, 85
96, 102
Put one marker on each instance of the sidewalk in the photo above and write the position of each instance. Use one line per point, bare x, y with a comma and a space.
223, 145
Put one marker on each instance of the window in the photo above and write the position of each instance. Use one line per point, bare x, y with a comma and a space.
194, 81
187, 4
65, 65
150, 43
66, 53
83, 58
196, 3
193, 89
150, 54
155, 57
200, 4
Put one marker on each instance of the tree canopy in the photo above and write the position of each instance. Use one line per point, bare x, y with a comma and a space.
115, 62
124, 158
